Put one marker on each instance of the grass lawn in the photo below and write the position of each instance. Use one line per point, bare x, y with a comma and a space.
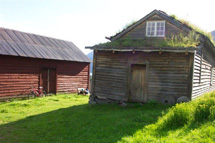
69, 119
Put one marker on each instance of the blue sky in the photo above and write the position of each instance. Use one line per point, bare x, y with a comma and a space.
87, 22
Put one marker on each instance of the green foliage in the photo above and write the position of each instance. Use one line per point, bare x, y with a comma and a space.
204, 109
186, 122
181, 40
152, 102
174, 16
68, 118
195, 28
177, 116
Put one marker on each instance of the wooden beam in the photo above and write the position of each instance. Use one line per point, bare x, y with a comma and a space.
93, 75
191, 58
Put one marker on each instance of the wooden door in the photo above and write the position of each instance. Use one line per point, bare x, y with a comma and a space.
49, 80
138, 83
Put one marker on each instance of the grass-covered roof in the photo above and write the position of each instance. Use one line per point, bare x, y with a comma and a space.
192, 39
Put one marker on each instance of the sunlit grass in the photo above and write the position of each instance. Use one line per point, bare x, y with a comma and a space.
69, 119
187, 122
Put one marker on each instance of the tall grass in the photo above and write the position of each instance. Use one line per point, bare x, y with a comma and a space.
199, 110
177, 116
186, 122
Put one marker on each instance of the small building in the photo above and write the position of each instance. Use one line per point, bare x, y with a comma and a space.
29, 60
156, 58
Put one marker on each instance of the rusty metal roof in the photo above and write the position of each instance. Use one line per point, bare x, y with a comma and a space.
16, 43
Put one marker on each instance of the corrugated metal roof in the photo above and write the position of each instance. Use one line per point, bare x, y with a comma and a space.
16, 43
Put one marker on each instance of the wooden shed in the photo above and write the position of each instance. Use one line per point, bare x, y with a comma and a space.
28, 60
139, 64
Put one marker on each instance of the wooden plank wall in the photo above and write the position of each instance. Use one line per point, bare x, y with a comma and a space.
18, 75
168, 74
110, 76
73, 76
203, 62
139, 32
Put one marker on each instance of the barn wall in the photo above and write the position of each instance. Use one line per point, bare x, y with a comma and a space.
204, 72
18, 75
72, 76
168, 74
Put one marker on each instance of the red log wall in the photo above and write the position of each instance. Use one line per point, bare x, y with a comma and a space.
18, 75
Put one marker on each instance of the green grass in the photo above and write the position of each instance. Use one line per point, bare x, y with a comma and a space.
69, 119
187, 122
180, 40
195, 28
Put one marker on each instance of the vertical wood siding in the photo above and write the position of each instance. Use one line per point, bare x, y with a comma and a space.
167, 75
18, 75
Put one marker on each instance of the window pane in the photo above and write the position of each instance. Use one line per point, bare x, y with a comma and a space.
151, 28
160, 29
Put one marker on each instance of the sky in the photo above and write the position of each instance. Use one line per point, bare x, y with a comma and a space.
88, 22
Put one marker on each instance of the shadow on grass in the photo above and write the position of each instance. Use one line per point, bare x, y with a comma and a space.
81, 124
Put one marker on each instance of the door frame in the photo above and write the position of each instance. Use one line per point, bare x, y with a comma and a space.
144, 63
47, 67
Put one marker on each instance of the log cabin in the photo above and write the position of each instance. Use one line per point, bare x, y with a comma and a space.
29, 60
157, 58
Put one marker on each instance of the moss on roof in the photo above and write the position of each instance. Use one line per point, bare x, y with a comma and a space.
194, 28
189, 40
180, 40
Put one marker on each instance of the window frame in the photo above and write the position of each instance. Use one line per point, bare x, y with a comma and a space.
155, 31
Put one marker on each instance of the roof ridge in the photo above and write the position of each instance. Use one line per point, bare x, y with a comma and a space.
35, 34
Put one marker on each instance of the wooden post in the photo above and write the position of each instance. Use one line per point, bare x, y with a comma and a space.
191, 58
88, 84
93, 75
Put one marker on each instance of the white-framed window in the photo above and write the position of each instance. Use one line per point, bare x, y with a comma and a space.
155, 29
